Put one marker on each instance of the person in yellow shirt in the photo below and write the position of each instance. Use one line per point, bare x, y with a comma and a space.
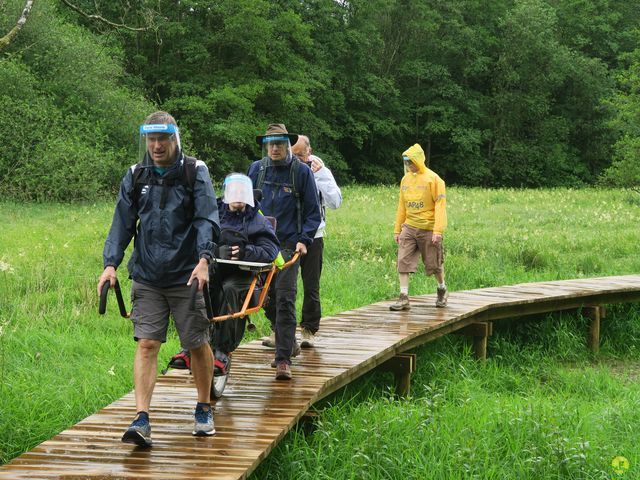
421, 219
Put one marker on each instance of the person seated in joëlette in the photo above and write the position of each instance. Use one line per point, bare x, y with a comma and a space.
247, 235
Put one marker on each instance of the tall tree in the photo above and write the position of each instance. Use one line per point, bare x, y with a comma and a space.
6, 39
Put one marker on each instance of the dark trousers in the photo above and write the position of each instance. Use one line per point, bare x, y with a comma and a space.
281, 311
227, 335
311, 269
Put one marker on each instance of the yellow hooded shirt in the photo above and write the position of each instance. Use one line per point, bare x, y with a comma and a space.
422, 203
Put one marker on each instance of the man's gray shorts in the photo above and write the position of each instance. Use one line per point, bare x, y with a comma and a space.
151, 309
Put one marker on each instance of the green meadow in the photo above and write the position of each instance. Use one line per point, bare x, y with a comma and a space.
541, 406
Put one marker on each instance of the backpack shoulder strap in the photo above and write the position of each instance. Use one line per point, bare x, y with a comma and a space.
295, 167
137, 173
262, 171
189, 178
189, 171
137, 170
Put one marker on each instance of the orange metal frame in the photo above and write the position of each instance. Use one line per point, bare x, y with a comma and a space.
263, 294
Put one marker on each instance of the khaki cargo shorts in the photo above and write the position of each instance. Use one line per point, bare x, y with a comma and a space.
415, 242
152, 307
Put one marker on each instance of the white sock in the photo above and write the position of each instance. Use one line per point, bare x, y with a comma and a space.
404, 290
442, 285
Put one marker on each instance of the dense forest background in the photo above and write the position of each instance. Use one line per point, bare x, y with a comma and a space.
519, 93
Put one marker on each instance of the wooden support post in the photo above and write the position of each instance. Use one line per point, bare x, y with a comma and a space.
479, 332
480, 348
595, 313
402, 366
308, 421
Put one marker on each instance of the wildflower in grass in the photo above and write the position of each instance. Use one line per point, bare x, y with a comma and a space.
5, 267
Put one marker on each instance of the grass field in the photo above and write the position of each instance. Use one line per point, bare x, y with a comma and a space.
540, 407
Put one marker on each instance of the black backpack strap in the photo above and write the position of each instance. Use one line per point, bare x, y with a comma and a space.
262, 171
188, 180
189, 172
293, 173
137, 173
295, 166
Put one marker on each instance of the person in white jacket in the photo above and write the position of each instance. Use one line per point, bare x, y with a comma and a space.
311, 264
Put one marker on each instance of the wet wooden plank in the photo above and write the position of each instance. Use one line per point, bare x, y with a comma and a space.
257, 411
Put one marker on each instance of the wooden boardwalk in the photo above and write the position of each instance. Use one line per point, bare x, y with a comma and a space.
257, 411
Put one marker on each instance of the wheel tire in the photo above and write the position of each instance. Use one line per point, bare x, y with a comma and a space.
219, 383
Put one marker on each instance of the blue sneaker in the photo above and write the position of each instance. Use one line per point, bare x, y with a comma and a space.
139, 432
203, 422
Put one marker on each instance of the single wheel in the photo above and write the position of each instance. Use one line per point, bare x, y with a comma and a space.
219, 382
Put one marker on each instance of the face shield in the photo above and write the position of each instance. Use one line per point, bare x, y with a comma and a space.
159, 143
276, 147
238, 188
409, 166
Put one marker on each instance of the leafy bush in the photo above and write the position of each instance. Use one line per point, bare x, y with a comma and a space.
625, 169
68, 122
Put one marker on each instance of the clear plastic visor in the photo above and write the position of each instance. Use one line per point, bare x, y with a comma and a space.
238, 188
276, 147
158, 144
406, 161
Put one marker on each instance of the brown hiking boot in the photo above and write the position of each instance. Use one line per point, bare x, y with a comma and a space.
443, 294
283, 371
308, 339
401, 304
269, 341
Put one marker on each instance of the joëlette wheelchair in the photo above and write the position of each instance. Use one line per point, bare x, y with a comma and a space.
262, 276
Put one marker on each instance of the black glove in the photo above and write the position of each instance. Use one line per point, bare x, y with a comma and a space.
224, 252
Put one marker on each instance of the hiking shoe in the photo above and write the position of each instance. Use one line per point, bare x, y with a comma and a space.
269, 341
221, 365
401, 304
443, 294
139, 432
203, 422
283, 371
181, 360
308, 338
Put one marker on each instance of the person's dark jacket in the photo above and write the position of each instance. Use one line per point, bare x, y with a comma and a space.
260, 243
168, 243
280, 202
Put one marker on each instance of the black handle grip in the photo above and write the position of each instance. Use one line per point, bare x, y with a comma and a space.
123, 309
207, 299
103, 297
102, 307
194, 292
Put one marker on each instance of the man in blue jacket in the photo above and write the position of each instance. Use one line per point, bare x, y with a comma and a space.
168, 205
289, 194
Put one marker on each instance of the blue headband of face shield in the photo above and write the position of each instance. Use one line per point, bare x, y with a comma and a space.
277, 138
237, 178
158, 128
406, 159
